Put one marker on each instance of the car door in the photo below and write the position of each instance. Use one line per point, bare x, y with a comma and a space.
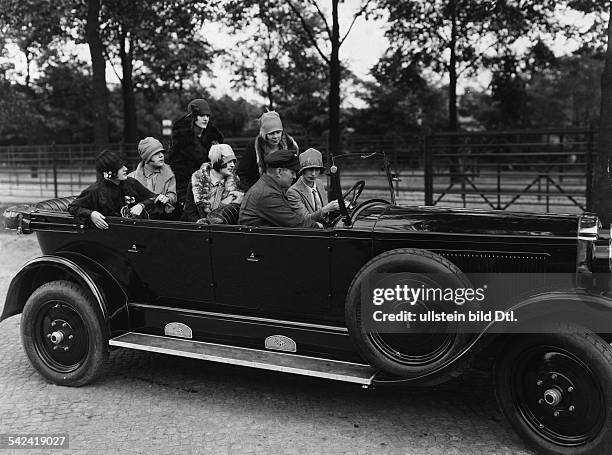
276, 271
172, 259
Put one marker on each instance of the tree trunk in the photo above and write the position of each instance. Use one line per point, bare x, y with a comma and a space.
455, 164
334, 85
452, 72
269, 82
98, 69
602, 194
28, 66
130, 127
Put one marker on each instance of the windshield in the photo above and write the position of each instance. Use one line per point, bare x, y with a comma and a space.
369, 168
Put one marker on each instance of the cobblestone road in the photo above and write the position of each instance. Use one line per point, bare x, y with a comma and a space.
155, 404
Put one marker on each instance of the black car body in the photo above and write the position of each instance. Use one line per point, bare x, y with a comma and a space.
288, 299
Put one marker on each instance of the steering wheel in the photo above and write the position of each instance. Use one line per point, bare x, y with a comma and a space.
356, 190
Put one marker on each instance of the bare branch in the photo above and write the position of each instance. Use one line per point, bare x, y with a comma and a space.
108, 59
316, 5
357, 14
472, 62
308, 31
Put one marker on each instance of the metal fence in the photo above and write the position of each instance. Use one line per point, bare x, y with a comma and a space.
30, 173
543, 170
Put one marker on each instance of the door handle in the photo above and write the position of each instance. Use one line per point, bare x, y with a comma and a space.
253, 258
135, 248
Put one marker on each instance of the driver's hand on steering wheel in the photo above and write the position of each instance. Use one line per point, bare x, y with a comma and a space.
331, 207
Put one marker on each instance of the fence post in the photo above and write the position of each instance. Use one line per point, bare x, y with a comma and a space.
54, 160
589, 171
428, 177
498, 186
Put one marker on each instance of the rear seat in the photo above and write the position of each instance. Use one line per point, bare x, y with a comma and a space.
59, 204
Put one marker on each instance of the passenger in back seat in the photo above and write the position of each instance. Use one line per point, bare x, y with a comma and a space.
213, 186
156, 175
112, 191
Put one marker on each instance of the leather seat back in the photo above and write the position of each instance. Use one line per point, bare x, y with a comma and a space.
59, 204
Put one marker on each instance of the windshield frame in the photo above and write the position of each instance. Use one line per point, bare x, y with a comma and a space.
335, 179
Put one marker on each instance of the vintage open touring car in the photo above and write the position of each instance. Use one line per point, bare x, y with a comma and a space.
292, 300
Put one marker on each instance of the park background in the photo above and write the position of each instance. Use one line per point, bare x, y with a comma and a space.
481, 104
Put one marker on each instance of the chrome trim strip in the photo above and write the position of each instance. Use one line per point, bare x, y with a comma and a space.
240, 317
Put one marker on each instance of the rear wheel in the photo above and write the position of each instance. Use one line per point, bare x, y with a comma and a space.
63, 334
554, 389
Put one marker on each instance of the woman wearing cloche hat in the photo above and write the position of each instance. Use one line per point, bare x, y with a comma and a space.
271, 137
307, 196
212, 186
156, 175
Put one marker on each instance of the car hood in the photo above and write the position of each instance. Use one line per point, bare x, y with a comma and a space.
472, 221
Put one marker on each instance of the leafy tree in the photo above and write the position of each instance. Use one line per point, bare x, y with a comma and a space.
34, 25
331, 36
567, 93
278, 60
154, 41
323, 34
67, 102
400, 100
455, 37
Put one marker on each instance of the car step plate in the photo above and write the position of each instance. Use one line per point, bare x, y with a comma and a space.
254, 358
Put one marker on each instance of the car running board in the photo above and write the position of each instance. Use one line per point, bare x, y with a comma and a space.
254, 358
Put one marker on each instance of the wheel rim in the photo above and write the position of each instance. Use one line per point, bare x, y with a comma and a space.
60, 337
412, 349
558, 396
421, 343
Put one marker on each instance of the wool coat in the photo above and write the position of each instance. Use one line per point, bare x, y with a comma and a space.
265, 204
251, 164
108, 198
189, 149
161, 181
300, 199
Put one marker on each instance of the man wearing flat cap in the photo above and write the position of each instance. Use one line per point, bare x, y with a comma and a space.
265, 204
192, 137
307, 196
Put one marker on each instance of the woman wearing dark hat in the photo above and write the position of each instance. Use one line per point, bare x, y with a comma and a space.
112, 191
307, 196
271, 138
192, 137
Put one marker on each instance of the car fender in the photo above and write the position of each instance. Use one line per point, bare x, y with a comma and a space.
581, 306
109, 295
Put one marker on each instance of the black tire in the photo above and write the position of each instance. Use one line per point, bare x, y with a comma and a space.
60, 315
409, 355
570, 371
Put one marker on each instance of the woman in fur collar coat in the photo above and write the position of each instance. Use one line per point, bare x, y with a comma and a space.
212, 186
271, 138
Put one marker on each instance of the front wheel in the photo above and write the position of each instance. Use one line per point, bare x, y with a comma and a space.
63, 334
554, 389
